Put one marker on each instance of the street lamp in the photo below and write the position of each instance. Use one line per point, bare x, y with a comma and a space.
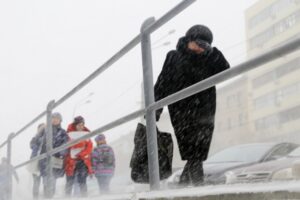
90, 94
168, 43
78, 105
170, 32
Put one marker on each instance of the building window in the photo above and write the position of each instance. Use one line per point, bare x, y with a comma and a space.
276, 97
265, 100
239, 99
241, 119
229, 124
234, 100
290, 90
275, 120
288, 68
271, 11
279, 72
267, 122
264, 79
262, 38
290, 115
280, 27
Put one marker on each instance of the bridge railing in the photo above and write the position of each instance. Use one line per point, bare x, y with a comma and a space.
149, 26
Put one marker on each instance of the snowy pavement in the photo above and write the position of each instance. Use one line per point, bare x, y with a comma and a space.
224, 189
207, 191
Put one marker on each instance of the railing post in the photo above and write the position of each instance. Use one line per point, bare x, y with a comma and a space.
149, 99
49, 146
9, 166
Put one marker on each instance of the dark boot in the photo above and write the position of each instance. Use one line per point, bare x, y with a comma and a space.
185, 178
196, 172
192, 173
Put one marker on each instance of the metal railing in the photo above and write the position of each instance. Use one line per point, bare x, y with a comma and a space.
147, 28
129, 46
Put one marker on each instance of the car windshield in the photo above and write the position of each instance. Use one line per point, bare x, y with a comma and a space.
295, 153
244, 153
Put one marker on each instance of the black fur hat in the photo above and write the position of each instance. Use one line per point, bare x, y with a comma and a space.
200, 32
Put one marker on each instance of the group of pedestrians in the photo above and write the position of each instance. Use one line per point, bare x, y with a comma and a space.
76, 163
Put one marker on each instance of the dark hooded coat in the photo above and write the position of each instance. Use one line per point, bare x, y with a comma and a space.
193, 117
60, 138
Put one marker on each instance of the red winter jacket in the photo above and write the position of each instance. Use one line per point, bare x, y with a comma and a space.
84, 155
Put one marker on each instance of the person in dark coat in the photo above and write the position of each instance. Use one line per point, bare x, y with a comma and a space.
60, 138
35, 145
192, 118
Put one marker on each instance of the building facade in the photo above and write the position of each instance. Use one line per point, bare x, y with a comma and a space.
264, 104
231, 122
274, 106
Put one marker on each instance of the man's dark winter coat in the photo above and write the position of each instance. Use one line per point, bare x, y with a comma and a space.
60, 137
193, 117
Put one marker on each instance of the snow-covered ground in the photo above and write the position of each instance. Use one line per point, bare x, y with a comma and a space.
123, 188
292, 186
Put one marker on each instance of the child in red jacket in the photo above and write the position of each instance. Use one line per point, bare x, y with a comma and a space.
78, 161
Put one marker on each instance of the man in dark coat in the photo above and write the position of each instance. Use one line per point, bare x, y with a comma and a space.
60, 137
192, 118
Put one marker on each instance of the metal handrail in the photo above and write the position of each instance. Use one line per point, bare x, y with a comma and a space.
198, 87
129, 46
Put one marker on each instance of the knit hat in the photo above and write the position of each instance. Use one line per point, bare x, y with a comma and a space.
57, 116
78, 120
200, 32
100, 137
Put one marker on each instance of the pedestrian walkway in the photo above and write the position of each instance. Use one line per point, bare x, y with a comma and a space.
257, 191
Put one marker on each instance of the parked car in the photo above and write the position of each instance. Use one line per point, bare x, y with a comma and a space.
287, 168
234, 157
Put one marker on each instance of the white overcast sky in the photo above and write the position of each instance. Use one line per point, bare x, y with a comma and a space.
49, 46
